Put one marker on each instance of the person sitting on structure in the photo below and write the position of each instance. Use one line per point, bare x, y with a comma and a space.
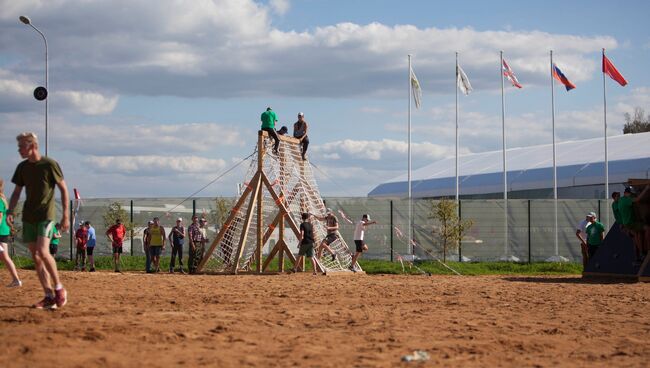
630, 224
332, 225
300, 132
269, 118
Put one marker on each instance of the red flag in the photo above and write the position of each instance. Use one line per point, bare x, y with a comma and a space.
510, 74
610, 69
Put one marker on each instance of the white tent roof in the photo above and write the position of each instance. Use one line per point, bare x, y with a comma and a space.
578, 163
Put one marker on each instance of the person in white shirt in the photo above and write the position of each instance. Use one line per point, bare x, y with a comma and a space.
581, 233
359, 232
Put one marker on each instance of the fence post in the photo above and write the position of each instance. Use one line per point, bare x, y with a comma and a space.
529, 240
72, 234
599, 216
193, 207
132, 234
391, 230
460, 243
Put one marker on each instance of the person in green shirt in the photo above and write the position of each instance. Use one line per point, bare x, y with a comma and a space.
595, 235
617, 214
39, 175
5, 235
625, 209
269, 118
56, 236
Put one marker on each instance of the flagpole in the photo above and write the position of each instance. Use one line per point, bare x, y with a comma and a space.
606, 160
410, 199
554, 158
505, 175
457, 76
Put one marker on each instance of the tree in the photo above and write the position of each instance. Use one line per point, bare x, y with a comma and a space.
638, 124
451, 229
115, 211
219, 213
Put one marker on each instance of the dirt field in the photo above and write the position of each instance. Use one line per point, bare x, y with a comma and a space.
162, 320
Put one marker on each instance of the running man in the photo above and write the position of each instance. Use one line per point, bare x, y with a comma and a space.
332, 226
115, 235
156, 240
39, 175
5, 234
359, 232
306, 243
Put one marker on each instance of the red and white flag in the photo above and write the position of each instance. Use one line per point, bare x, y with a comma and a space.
510, 74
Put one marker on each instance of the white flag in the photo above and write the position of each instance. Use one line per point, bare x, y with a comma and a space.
415, 89
463, 81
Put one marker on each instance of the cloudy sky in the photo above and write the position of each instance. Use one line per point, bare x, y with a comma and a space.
158, 98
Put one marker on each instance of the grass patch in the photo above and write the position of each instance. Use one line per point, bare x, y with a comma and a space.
136, 263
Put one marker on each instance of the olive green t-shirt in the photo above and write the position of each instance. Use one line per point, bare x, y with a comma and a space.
268, 119
625, 210
39, 179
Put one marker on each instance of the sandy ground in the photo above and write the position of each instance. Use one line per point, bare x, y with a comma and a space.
299, 320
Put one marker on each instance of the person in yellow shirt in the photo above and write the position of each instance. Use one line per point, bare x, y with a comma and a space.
156, 240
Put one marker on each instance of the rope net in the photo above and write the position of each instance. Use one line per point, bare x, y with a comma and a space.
293, 182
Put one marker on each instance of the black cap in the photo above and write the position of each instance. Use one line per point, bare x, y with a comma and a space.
628, 190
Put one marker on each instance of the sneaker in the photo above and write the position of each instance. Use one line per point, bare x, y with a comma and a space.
171, 270
15, 284
333, 257
92, 269
83, 269
47, 303
181, 271
61, 297
118, 271
352, 268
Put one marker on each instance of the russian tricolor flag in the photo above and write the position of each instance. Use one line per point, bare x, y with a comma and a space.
557, 74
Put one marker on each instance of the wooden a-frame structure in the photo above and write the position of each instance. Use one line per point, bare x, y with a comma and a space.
254, 194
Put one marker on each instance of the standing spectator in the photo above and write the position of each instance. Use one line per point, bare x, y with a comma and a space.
306, 248
300, 132
268, 125
116, 234
595, 234
177, 238
195, 240
81, 237
581, 233
156, 243
617, 214
56, 237
5, 233
145, 247
359, 232
39, 175
90, 245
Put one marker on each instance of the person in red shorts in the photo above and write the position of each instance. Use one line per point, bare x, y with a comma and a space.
81, 237
116, 235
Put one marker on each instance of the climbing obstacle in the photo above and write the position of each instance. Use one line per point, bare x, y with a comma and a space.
616, 257
278, 188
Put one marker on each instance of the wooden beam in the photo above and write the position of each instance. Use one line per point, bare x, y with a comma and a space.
277, 200
260, 199
226, 224
247, 221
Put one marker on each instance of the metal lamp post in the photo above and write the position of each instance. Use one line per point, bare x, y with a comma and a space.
28, 22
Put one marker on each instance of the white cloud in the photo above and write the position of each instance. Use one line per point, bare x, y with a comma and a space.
154, 165
280, 6
190, 48
91, 103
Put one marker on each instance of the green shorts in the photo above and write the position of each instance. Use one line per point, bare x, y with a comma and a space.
31, 231
306, 250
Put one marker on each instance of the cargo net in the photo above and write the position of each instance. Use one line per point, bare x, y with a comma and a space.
293, 181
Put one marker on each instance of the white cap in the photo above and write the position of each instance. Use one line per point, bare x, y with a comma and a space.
179, 219
301, 114
592, 214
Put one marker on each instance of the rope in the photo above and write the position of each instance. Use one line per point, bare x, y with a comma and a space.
213, 181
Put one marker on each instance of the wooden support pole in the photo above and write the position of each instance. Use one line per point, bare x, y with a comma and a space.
247, 222
260, 203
